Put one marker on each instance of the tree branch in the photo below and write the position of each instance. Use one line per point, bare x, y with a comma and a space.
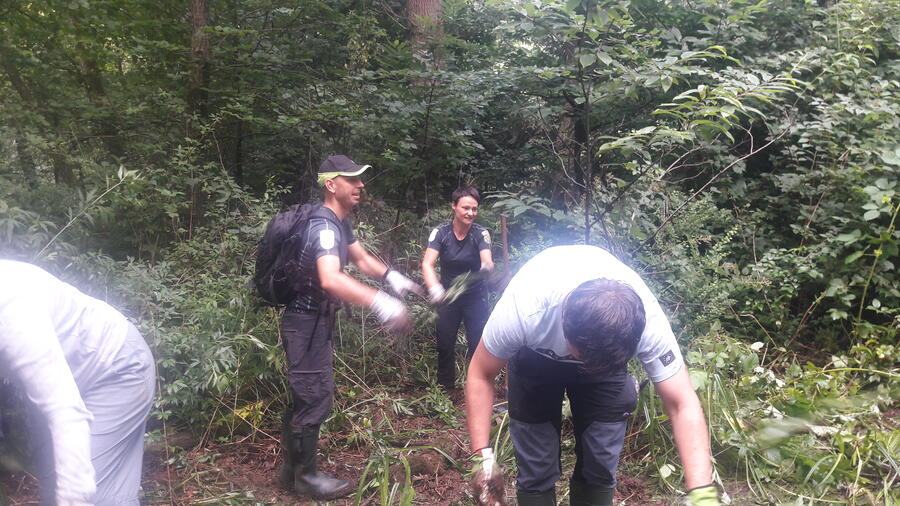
703, 188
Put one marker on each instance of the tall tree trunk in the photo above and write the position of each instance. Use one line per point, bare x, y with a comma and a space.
198, 96
426, 31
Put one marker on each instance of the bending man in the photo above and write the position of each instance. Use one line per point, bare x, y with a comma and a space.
89, 377
568, 323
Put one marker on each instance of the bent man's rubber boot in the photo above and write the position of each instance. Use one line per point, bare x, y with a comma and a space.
547, 498
582, 494
307, 480
286, 473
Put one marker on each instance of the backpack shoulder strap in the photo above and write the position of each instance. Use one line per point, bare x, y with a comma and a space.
319, 211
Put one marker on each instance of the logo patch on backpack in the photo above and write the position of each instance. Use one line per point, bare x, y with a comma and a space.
667, 358
326, 239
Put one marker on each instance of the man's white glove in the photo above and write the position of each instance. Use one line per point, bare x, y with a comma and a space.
487, 461
487, 484
400, 284
392, 313
436, 293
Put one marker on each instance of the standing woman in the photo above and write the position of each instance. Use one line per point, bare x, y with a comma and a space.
463, 246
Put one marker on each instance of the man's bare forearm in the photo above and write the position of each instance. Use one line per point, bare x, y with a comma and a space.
692, 442
479, 405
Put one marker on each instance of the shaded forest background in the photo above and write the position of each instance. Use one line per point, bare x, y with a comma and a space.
742, 155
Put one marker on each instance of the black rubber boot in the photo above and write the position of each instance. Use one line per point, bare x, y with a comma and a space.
307, 480
582, 494
547, 498
286, 474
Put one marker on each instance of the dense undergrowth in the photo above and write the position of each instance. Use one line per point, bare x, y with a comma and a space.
794, 424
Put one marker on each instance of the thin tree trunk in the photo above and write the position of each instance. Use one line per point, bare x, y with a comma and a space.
62, 170
238, 156
200, 57
108, 129
25, 160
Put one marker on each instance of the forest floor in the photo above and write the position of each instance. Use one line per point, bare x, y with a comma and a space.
244, 470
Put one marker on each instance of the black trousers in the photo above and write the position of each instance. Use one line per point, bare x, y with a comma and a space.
470, 308
601, 406
306, 338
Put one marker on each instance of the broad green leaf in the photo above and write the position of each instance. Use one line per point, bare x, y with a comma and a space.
666, 82
871, 215
586, 60
853, 257
850, 238
891, 157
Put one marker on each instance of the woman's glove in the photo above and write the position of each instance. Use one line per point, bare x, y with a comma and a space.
706, 495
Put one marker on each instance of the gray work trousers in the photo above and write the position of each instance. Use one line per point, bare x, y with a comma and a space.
119, 402
601, 406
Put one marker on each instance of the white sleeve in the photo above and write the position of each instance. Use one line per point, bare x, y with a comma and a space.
504, 332
31, 349
658, 350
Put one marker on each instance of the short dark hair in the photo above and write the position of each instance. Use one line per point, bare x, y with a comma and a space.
465, 191
603, 320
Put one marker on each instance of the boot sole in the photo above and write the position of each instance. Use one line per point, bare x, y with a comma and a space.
344, 492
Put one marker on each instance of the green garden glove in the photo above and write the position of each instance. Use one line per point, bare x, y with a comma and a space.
706, 495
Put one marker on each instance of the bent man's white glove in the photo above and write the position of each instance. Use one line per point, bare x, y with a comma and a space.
400, 284
392, 313
487, 484
436, 293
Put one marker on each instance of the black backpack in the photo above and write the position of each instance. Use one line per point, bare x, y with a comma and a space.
276, 280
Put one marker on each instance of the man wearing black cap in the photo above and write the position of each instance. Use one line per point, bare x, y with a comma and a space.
307, 323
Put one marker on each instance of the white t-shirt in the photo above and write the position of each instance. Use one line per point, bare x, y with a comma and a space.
529, 314
57, 341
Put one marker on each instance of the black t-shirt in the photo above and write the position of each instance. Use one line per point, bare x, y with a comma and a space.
321, 237
458, 257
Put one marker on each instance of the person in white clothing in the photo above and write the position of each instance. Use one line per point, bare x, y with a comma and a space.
89, 378
567, 324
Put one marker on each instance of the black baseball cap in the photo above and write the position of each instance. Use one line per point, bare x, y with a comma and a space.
339, 165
